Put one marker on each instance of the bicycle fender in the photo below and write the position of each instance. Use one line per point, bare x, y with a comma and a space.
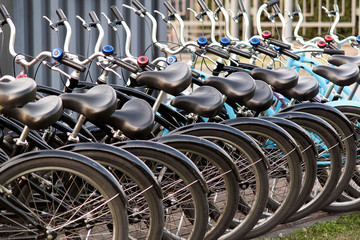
314, 108
221, 127
205, 143
248, 123
60, 154
181, 158
292, 125
303, 115
343, 103
118, 156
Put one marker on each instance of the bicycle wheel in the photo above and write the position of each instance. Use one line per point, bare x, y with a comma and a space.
59, 194
184, 189
251, 165
220, 174
145, 209
350, 199
329, 161
309, 153
284, 167
347, 135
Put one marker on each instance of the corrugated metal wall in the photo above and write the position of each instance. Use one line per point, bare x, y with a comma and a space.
34, 34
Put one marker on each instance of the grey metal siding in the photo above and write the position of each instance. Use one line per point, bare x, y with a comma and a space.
34, 35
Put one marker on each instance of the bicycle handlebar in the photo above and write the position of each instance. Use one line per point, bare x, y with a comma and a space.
272, 2
239, 52
126, 65
61, 14
94, 17
218, 52
289, 54
170, 7
219, 3
73, 64
139, 6
334, 51
4, 12
117, 13
203, 5
279, 43
266, 51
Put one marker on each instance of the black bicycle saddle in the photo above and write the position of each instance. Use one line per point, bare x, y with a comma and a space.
205, 101
18, 92
238, 86
96, 104
343, 75
37, 115
135, 119
174, 79
262, 99
306, 89
281, 78
339, 60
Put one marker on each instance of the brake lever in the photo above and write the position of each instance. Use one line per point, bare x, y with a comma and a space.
51, 24
110, 23
86, 26
137, 12
165, 19
109, 69
195, 14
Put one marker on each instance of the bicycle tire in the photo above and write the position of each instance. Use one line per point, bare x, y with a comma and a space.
42, 182
250, 161
180, 177
350, 199
145, 208
309, 152
329, 151
220, 174
283, 170
346, 133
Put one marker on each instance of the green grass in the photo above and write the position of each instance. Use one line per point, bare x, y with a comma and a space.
346, 227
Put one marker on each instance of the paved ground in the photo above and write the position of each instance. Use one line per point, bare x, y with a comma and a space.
285, 229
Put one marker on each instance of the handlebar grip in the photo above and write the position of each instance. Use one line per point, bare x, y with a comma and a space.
279, 43
117, 13
290, 54
297, 8
334, 51
277, 9
139, 6
4, 12
219, 3
94, 17
126, 65
72, 64
331, 46
241, 6
203, 5
266, 51
218, 52
195, 74
61, 14
272, 2
170, 7
239, 52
